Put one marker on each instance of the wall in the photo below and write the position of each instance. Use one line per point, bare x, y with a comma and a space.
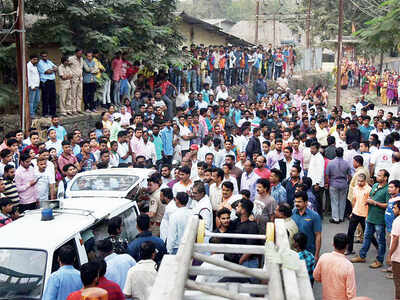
85, 123
200, 35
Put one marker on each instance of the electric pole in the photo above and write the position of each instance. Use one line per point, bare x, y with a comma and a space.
21, 65
257, 20
308, 26
339, 51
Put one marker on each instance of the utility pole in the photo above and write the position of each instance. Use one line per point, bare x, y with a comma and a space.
21, 65
257, 20
274, 28
339, 51
308, 26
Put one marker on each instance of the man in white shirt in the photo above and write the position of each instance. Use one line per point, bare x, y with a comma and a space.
322, 132
282, 82
249, 179
166, 198
33, 84
53, 142
201, 205
141, 277
382, 159
182, 98
150, 148
220, 158
178, 222
206, 148
316, 173
185, 136
123, 148
46, 182
380, 132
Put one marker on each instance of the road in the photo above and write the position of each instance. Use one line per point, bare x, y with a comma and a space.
370, 283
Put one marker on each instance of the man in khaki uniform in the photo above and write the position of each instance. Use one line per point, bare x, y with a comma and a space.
156, 210
76, 62
65, 73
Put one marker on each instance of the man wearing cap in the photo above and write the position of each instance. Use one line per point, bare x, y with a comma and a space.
156, 209
115, 127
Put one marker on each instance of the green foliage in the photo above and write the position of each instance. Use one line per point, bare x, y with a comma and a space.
325, 14
381, 33
145, 28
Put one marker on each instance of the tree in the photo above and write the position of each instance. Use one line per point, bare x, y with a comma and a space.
145, 28
381, 34
324, 19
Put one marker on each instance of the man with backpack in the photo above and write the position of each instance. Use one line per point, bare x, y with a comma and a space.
70, 171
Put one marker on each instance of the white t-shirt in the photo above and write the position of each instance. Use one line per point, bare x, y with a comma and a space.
42, 186
382, 159
185, 144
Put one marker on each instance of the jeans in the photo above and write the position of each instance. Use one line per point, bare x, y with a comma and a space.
193, 80
125, 88
270, 71
49, 97
354, 221
338, 202
370, 229
169, 104
89, 89
34, 98
116, 92
278, 72
106, 92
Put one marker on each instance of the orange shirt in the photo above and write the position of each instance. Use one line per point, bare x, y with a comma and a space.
336, 273
360, 196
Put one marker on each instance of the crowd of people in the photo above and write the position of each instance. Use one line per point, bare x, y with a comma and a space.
91, 80
385, 86
238, 161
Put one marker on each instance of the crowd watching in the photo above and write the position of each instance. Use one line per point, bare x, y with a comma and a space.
238, 161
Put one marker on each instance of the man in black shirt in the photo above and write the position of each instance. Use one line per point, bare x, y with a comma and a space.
243, 225
224, 216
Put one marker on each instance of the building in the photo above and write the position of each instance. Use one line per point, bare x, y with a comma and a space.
197, 31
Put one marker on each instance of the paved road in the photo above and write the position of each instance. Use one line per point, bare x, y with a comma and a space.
370, 283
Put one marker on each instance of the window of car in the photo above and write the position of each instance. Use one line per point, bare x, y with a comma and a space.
105, 182
56, 265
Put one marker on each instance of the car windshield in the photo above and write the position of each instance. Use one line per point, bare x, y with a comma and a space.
104, 183
22, 273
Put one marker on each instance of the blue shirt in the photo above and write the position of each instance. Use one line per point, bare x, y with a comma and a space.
76, 149
309, 223
158, 143
279, 193
167, 138
389, 214
365, 132
118, 266
90, 162
62, 283
134, 246
60, 131
43, 66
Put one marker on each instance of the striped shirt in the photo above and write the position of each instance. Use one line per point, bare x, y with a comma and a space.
10, 191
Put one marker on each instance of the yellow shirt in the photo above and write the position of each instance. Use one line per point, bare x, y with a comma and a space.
360, 196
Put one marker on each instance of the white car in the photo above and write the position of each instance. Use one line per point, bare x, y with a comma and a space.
28, 246
115, 182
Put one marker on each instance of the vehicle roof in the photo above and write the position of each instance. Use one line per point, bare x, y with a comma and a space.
30, 232
143, 173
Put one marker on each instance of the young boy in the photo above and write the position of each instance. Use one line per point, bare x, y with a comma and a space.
300, 244
393, 257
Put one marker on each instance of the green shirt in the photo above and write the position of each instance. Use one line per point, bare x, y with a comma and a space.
376, 215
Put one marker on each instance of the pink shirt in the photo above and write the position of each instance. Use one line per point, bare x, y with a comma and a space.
263, 173
395, 232
336, 273
116, 66
138, 147
299, 156
23, 177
